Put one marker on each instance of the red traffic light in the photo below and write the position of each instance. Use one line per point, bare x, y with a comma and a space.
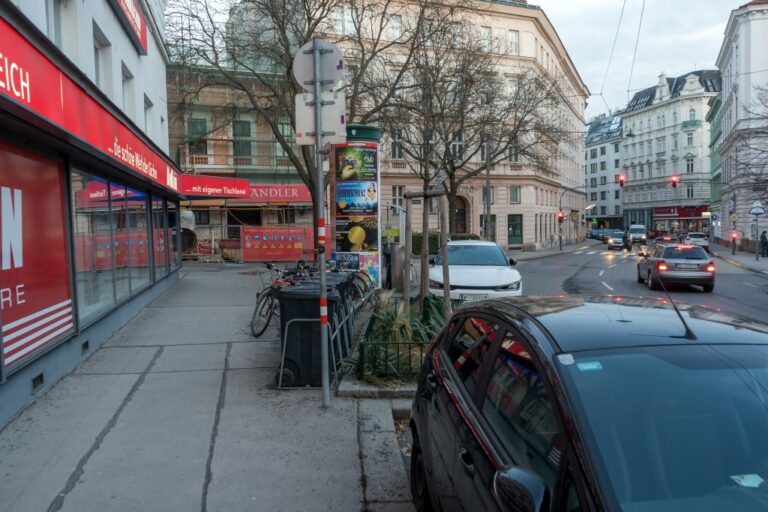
675, 180
734, 235
622, 179
560, 216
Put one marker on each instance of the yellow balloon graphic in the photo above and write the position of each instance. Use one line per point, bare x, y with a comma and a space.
356, 235
342, 204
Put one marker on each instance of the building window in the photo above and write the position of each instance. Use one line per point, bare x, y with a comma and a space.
602, 166
603, 180
286, 130
603, 210
674, 117
593, 182
514, 195
675, 141
689, 165
616, 194
128, 92
689, 191
101, 55
692, 114
241, 131
602, 150
397, 144
196, 127
617, 210
398, 191
457, 146
485, 34
514, 45
689, 139
603, 195
485, 195
616, 148
593, 153
53, 21
343, 22
593, 167
396, 24
593, 196
616, 164
514, 152
202, 217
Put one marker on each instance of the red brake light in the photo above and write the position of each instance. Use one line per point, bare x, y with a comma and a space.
711, 267
661, 266
685, 247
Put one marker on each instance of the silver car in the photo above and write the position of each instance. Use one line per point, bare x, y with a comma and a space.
616, 240
676, 264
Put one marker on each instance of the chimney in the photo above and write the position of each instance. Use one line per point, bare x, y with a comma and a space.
662, 88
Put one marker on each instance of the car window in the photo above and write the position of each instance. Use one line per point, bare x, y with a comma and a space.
519, 411
486, 255
470, 346
685, 253
572, 501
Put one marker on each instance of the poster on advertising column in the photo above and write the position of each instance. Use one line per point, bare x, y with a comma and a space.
357, 205
34, 276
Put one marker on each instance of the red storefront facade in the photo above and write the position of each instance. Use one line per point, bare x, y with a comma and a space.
676, 219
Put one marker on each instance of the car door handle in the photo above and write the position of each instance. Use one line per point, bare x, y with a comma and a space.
466, 461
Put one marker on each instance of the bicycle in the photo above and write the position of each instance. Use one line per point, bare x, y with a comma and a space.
267, 304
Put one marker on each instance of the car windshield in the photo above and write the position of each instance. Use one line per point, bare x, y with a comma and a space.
685, 253
677, 428
637, 230
470, 254
697, 235
617, 234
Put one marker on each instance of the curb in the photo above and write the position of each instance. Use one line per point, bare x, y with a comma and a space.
353, 388
737, 263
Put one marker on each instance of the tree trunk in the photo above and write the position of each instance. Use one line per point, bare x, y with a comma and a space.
453, 191
424, 281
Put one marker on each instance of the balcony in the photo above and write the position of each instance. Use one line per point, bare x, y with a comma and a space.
691, 124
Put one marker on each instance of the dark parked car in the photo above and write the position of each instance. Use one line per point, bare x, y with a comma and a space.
528, 404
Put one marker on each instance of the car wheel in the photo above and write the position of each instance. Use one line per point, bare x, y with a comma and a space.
419, 489
652, 282
708, 287
639, 277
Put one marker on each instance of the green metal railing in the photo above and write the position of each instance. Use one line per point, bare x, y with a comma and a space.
390, 359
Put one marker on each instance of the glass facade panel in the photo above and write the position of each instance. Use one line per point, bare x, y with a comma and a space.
120, 234
159, 237
93, 245
173, 235
138, 240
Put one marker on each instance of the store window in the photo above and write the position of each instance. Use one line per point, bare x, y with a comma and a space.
159, 237
94, 279
137, 242
173, 235
120, 234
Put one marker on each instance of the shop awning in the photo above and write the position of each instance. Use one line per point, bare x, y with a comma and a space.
276, 194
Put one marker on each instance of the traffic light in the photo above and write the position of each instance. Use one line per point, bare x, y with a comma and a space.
622, 179
560, 216
675, 180
734, 235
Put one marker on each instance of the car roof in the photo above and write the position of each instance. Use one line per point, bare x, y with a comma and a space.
578, 323
472, 242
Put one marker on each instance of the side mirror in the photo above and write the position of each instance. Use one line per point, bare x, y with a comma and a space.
432, 260
512, 262
519, 490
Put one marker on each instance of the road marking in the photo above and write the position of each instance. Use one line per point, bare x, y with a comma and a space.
611, 266
602, 272
607, 286
750, 284
589, 252
578, 252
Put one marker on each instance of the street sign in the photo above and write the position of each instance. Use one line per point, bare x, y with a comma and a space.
331, 66
734, 217
333, 114
757, 210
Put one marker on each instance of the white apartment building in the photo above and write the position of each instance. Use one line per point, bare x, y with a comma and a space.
120, 46
743, 62
666, 136
601, 171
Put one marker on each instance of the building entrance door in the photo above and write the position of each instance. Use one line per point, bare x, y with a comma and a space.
514, 229
461, 215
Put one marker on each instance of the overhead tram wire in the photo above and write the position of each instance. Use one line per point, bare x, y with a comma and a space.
610, 57
637, 42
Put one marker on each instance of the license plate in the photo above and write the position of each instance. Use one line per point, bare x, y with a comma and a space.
687, 266
472, 296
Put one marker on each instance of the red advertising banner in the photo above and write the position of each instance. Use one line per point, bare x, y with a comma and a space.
130, 15
34, 276
29, 79
276, 243
276, 194
213, 186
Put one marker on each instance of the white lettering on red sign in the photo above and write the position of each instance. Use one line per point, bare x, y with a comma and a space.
132, 13
12, 246
14, 79
171, 179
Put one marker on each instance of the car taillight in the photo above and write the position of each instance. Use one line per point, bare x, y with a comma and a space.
661, 266
711, 267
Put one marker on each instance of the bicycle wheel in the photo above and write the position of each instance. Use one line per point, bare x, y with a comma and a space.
265, 308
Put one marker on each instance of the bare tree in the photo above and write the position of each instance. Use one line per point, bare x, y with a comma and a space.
249, 46
751, 154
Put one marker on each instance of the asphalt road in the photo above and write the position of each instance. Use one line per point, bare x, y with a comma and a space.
593, 269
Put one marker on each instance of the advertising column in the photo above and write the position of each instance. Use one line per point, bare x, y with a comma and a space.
358, 234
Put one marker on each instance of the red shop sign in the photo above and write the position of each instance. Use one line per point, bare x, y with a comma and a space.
29, 79
665, 212
276, 194
34, 280
213, 186
277, 243
129, 14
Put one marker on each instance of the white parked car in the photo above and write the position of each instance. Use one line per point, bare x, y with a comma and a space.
477, 270
699, 239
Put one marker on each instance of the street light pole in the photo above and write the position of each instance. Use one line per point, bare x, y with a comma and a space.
487, 188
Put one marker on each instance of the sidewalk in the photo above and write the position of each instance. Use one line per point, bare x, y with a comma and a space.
741, 259
178, 412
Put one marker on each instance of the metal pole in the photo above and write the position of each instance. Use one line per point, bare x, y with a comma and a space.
560, 224
757, 236
487, 190
320, 195
733, 222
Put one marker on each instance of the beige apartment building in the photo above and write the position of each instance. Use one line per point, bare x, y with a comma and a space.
524, 200
214, 133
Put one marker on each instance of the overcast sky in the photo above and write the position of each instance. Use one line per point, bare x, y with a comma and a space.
677, 36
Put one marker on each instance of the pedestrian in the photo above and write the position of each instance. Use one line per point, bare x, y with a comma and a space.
627, 241
764, 244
